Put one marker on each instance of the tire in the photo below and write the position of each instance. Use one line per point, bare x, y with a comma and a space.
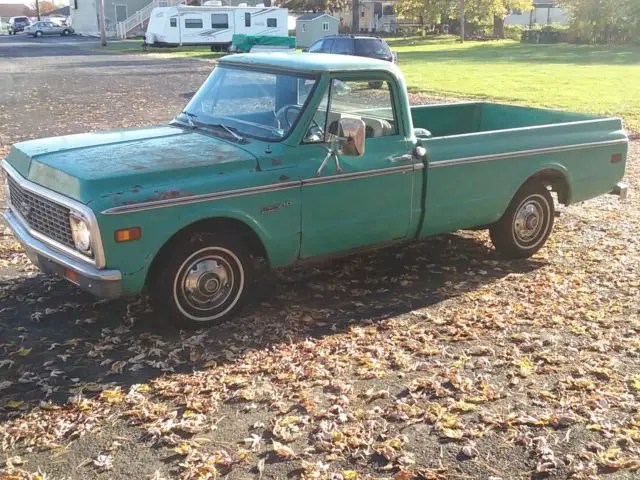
376, 85
195, 273
65, 32
527, 223
37, 34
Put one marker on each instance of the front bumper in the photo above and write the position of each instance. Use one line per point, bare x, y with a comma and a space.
103, 283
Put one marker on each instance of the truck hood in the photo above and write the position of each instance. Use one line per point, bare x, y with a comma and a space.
86, 166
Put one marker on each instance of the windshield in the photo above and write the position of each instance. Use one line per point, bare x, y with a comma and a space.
258, 104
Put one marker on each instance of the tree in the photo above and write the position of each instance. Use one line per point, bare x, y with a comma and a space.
426, 11
497, 10
331, 6
41, 7
604, 21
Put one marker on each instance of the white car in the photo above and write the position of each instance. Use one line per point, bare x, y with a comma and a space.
46, 27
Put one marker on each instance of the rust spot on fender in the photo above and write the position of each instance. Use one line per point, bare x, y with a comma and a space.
276, 161
284, 178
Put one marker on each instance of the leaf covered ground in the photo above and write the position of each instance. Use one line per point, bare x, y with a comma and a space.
434, 361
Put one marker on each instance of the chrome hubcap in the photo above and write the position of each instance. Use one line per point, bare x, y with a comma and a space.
207, 282
528, 221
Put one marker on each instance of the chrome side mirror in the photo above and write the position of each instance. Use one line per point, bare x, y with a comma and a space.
353, 136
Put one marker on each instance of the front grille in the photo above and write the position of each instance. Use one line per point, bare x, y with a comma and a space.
42, 215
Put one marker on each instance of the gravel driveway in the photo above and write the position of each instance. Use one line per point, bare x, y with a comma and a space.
435, 361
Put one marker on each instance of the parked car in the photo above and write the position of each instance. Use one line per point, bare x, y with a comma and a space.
17, 24
46, 27
358, 45
292, 158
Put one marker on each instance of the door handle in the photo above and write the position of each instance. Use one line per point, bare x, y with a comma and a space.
402, 158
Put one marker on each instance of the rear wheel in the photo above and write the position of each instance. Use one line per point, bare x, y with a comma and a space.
204, 281
37, 34
65, 32
527, 223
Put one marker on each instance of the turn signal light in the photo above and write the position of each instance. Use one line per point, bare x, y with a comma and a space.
616, 157
128, 234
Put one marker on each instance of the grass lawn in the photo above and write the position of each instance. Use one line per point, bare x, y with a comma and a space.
582, 78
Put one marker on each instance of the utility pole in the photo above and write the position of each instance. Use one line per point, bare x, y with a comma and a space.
103, 33
38, 9
355, 19
462, 21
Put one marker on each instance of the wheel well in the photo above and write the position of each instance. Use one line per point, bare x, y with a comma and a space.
210, 225
557, 181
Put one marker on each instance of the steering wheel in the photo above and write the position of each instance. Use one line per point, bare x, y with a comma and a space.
283, 116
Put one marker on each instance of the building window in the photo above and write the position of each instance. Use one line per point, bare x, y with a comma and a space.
362, 13
272, 22
304, 27
121, 13
325, 26
75, 4
192, 23
219, 20
516, 11
173, 22
247, 19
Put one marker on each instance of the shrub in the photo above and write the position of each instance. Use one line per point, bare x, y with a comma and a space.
514, 32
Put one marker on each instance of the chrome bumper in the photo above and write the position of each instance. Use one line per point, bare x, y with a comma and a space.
621, 189
103, 283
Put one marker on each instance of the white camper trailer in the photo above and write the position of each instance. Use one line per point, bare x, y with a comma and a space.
212, 25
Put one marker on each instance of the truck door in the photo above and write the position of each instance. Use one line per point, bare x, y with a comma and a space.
365, 200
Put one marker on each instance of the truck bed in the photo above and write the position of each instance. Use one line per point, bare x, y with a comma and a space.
479, 154
459, 118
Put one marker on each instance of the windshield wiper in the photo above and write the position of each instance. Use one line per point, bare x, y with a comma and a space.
226, 129
189, 116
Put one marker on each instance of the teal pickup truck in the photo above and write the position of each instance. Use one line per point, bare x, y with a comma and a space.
292, 157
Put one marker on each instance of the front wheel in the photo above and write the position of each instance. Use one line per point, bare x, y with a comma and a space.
37, 34
527, 223
65, 32
204, 281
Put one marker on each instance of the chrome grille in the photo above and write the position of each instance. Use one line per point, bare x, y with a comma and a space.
42, 215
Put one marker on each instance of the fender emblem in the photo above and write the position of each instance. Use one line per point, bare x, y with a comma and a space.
275, 207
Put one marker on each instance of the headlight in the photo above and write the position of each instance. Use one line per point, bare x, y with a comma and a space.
81, 234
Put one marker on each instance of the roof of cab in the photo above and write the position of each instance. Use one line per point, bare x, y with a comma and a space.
310, 62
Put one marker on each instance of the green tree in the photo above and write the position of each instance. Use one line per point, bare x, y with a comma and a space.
496, 10
604, 21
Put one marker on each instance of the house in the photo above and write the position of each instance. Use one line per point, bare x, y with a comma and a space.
312, 26
85, 14
542, 13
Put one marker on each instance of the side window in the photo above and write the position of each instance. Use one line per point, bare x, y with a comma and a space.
316, 47
326, 47
342, 46
368, 100
192, 23
272, 22
247, 19
173, 22
219, 20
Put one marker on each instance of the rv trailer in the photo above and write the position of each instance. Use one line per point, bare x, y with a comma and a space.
212, 25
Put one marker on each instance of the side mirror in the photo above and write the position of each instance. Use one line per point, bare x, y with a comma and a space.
352, 133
